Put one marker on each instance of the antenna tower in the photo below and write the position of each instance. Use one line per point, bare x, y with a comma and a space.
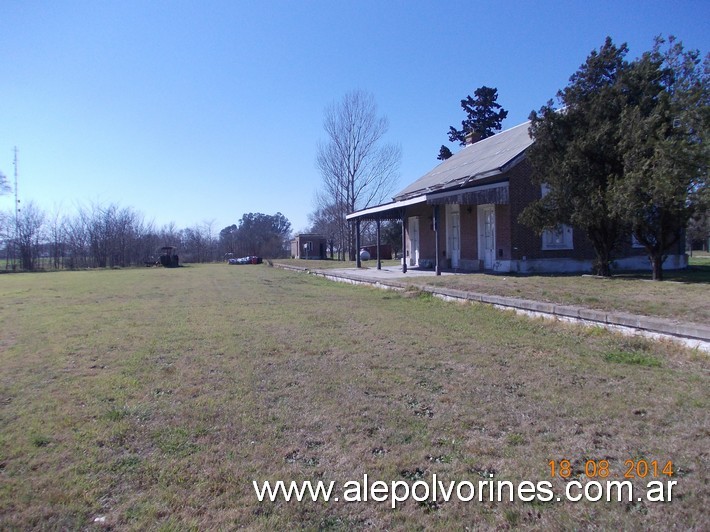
17, 213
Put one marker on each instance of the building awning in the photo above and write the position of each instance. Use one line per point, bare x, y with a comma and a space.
386, 211
496, 193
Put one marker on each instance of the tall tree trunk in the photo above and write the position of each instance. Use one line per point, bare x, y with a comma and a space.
657, 265
602, 266
604, 239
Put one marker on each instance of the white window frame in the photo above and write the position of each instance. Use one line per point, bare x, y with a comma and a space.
558, 238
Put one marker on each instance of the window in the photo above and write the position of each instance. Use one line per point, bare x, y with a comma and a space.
561, 236
558, 238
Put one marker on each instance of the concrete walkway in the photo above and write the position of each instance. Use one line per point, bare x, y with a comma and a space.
693, 335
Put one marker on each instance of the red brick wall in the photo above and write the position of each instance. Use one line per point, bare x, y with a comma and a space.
514, 239
426, 231
503, 235
525, 243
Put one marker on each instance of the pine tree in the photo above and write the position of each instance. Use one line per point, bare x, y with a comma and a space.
484, 116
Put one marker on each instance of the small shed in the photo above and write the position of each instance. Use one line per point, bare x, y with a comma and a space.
309, 246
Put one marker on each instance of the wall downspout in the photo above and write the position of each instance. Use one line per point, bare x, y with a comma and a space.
404, 240
436, 239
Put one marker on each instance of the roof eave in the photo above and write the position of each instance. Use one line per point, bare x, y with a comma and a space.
385, 207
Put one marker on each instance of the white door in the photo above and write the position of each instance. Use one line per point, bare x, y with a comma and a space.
487, 235
414, 241
453, 232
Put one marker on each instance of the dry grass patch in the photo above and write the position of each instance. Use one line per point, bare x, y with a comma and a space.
155, 397
684, 299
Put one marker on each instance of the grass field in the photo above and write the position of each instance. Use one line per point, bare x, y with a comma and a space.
683, 296
152, 398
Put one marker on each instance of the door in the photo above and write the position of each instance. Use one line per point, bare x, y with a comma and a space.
487, 235
453, 232
414, 241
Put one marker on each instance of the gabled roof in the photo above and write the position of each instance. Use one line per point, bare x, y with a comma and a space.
485, 158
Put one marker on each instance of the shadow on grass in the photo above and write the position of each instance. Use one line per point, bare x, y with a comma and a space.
691, 275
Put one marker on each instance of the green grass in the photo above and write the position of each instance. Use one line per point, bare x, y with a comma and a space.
700, 260
634, 358
153, 398
682, 296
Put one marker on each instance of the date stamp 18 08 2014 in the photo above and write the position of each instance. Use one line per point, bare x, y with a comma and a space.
631, 469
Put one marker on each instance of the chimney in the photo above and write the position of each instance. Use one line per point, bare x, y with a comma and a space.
472, 137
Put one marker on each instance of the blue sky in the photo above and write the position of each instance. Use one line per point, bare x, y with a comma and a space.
195, 111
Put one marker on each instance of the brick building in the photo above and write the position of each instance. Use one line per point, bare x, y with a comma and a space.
309, 246
463, 215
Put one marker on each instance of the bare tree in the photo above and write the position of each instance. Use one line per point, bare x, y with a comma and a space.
325, 221
208, 231
77, 241
30, 226
105, 236
357, 170
56, 238
4, 186
7, 228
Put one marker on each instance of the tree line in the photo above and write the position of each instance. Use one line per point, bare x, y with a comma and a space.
112, 236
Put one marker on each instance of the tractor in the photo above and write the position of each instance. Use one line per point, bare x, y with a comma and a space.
168, 257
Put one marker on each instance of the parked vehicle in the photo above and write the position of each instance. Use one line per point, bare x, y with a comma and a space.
168, 257
251, 259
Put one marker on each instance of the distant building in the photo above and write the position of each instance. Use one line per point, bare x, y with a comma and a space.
309, 246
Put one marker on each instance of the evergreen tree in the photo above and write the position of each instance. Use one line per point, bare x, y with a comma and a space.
484, 116
576, 154
664, 143
444, 153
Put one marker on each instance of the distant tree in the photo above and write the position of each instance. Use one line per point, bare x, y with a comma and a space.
195, 244
444, 153
484, 116
664, 133
56, 235
170, 235
30, 227
4, 185
6, 233
391, 233
698, 233
357, 169
576, 154
101, 236
326, 220
228, 240
263, 235
76, 235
